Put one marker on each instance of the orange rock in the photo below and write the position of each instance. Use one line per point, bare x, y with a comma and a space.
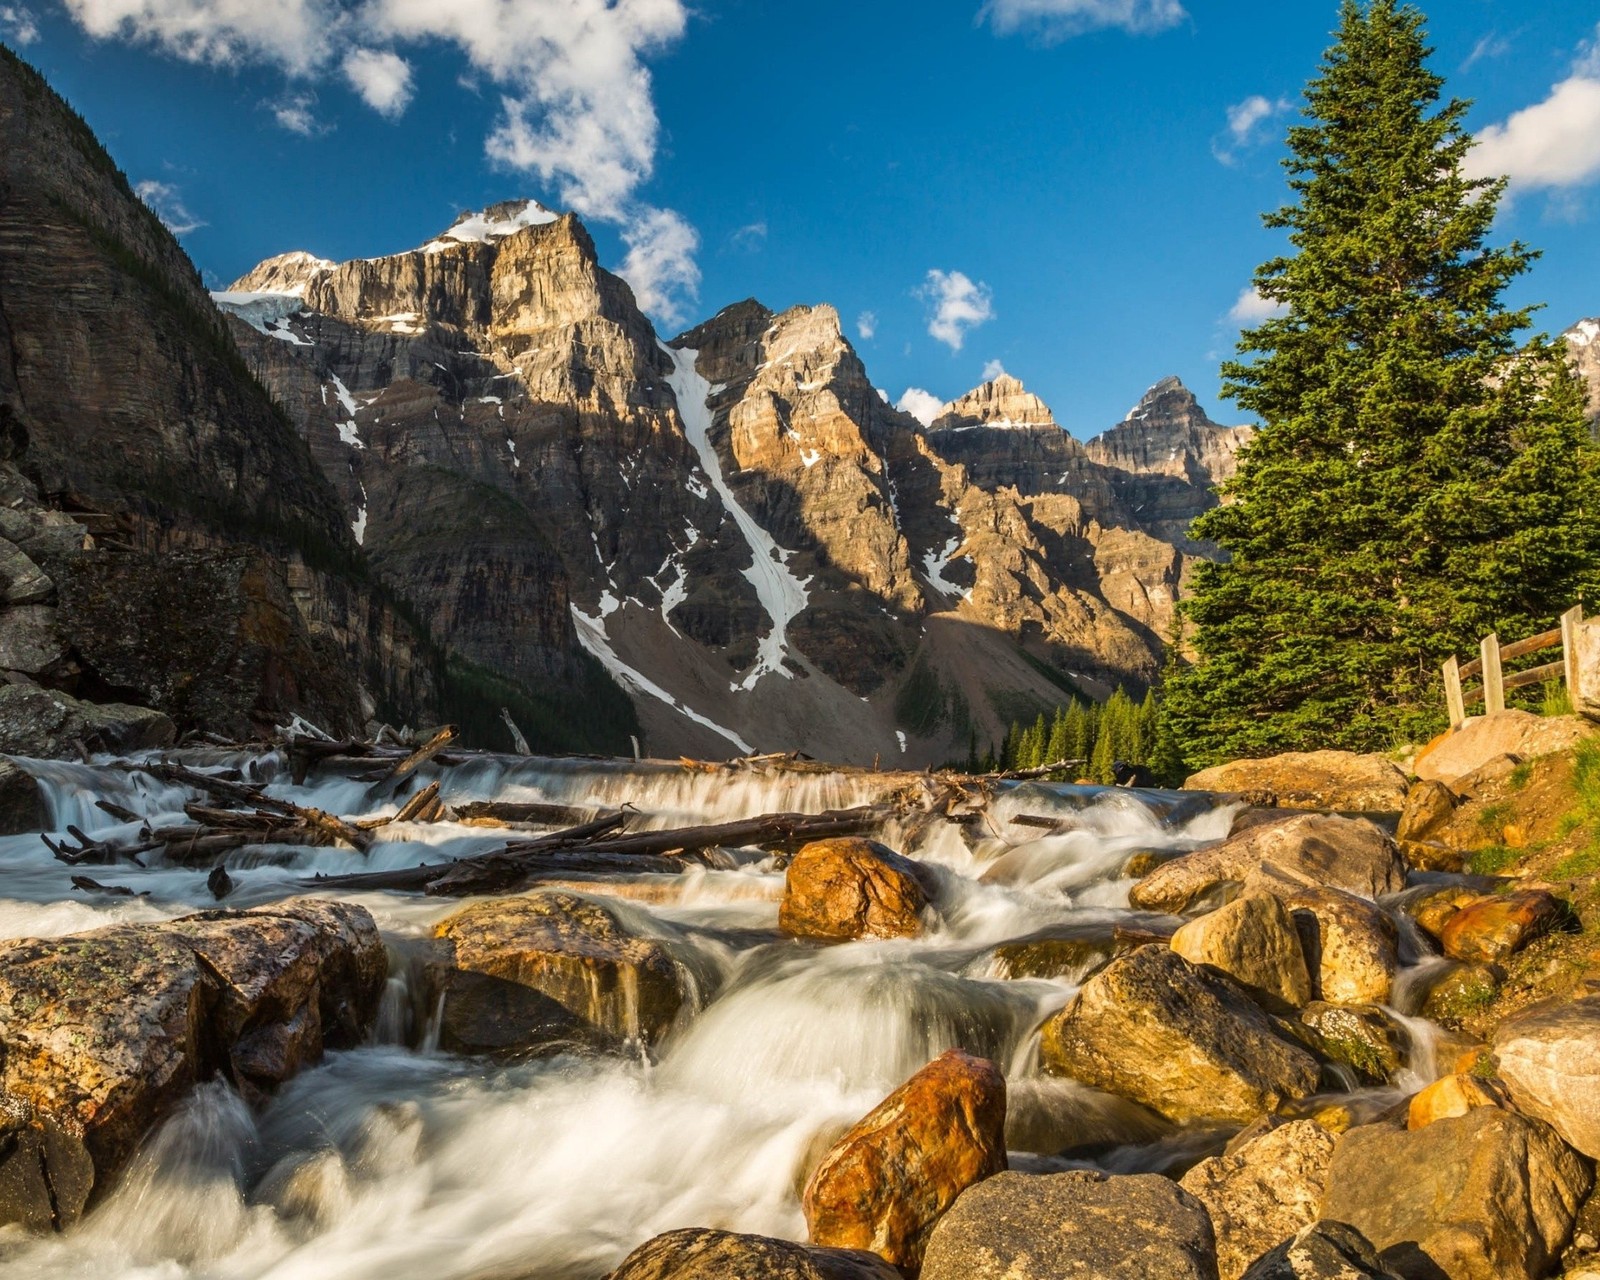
1452, 1096
852, 888
1496, 927
886, 1183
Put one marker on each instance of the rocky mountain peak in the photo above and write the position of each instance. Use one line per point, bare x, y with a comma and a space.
1000, 402
1168, 399
494, 223
288, 274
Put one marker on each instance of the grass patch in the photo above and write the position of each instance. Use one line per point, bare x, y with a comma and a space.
1493, 860
1520, 775
1555, 699
1494, 817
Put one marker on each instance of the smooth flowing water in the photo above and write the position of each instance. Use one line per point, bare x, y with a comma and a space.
397, 1161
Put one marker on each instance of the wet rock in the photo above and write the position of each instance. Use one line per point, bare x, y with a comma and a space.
1339, 780
22, 581
1077, 951
1549, 1058
1185, 1041
852, 888
1082, 1225
1142, 863
47, 724
1343, 853
1262, 1192
887, 1181
1352, 951
1485, 1196
572, 950
1432, 911
1322, 1251
1462, 992
22, 808
483, 1014
696, 1253
1493, 928
1451, 1096
104, 1032
1253, 941
1368, 1039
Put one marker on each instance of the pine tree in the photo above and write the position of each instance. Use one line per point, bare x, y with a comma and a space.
1419, 478
1056, 748
1079, 732
1103, 757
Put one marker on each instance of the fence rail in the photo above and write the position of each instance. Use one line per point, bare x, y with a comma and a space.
1489, 665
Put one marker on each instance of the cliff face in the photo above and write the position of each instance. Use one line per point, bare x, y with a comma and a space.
132, 427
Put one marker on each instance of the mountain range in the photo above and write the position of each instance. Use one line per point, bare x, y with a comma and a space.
473, 475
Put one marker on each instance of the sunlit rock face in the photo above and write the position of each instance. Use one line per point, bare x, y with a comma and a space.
736, 522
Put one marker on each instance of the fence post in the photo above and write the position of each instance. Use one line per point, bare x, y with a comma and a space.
1494, 689
1571, 620
1452, 694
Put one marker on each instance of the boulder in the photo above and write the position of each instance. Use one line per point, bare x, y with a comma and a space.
1252, 940
22, 808
1343, 853
888, 1180
1495, 927
102, 1033
852, 888
1461, 992
1082, 1225
1549, 1058
697, 1253
1322, 1251
1077, 951
1367, 1038
1450, 758
31, 641
1451, 1096
1485, 1196
46, 724
21, 581
1185, 1041
1262, 1192
573, 950
1340, 780
1352, 948
1428, 807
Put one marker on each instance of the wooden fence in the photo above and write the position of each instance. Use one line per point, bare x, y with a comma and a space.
1490, 665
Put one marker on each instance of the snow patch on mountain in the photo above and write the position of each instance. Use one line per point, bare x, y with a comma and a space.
783, 596
494, 223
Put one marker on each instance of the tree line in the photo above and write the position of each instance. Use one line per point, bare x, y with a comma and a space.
1096, 736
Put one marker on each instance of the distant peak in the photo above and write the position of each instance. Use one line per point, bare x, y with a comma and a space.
1583, 334
1001, 402
1168, 386
494, 223
287, 274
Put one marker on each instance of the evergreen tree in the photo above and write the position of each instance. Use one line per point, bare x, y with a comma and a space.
1103, 756
1419, 478
1079, 733
1056, 748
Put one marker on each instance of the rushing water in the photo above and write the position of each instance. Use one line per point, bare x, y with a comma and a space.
396, 1161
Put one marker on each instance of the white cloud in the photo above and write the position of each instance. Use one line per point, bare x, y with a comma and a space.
660, 264
1248, 126
294, 113
750, 237
1252, 308
294, 34
867, 325
959, 305
575, 103
1490, 46
166, 202
383, 80
18, 25
992, 370
1554, 143
922, 405
1058, 19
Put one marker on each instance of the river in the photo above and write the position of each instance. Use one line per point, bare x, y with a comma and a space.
396, 1161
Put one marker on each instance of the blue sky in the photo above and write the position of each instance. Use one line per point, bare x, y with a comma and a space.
1071, 188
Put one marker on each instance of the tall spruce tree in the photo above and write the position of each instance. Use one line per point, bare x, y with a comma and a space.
1420, 477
